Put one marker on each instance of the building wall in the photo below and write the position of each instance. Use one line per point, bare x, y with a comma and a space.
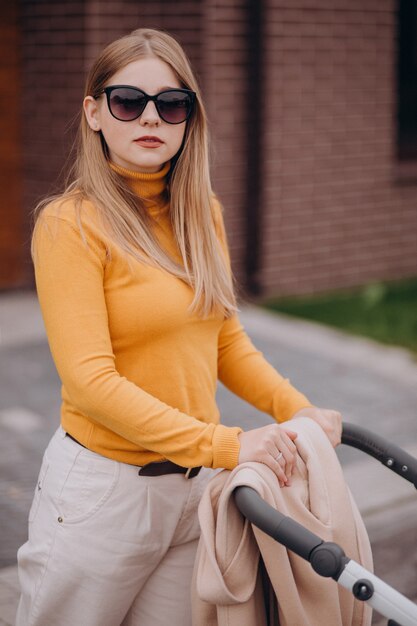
11, 214
224, 90
52, 58
335, 213
330, 207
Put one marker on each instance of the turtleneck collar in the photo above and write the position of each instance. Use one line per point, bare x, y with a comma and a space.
149, 187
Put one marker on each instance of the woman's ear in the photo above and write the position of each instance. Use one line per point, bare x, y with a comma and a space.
91, 112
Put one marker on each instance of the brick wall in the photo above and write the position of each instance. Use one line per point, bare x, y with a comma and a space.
224, 90
52, 53
106, 20
331, 210
11, 214
334, 213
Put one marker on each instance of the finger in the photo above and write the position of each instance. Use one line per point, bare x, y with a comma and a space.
279, 471
289, 457
278, 457
277, 465
280, 454
284, 457
291, 433
339, 428
288, 442
289, 452
287, 469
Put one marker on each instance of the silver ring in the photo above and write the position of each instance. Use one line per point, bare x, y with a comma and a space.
280, 455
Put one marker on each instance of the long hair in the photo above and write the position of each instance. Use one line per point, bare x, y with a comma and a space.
123, 215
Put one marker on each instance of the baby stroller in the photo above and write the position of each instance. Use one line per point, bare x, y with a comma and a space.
328, 559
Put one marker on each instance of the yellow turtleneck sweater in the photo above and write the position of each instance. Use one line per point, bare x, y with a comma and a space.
138, 371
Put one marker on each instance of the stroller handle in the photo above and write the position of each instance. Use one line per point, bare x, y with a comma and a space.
389, 454
326, 558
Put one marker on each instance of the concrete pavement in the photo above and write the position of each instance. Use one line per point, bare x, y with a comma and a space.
371, 384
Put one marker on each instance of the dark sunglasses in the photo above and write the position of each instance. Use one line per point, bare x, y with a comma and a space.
127, 103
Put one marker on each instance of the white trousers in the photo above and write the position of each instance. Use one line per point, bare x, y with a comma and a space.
106, 546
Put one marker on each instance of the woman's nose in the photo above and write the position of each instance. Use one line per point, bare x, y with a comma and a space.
150, 114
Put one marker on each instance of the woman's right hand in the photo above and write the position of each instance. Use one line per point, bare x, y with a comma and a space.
265, 444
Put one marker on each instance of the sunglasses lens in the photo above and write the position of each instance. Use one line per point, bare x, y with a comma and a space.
126, 104
174, 106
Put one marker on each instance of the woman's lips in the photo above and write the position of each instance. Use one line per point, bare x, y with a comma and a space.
149, 142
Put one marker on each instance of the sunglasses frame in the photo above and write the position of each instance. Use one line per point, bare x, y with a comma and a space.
108, 90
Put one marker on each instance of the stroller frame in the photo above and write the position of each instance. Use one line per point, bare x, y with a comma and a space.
326, 558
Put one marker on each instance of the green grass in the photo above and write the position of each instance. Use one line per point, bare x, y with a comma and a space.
386, 312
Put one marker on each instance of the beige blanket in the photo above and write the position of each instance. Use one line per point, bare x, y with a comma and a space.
227, 589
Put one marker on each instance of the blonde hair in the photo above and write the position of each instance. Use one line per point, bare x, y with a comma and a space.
124, 216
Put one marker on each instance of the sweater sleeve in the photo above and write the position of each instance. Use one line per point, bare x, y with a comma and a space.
69, 272
244, 370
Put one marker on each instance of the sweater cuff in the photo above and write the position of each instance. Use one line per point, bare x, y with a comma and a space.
226, 446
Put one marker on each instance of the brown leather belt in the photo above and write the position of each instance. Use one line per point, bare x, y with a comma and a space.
159, 468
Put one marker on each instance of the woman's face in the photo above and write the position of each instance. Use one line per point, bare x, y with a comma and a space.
146, 143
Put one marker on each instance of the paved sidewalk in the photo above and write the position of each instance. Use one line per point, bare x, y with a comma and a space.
9, 594
372, 385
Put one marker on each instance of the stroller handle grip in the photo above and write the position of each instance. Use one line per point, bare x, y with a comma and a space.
389, 454
326, 558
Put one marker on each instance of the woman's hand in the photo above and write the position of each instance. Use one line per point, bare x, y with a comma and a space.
329, 420
272, 445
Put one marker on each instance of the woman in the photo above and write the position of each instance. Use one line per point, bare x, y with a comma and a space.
135, 286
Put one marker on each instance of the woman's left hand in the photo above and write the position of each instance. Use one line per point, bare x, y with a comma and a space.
329, 420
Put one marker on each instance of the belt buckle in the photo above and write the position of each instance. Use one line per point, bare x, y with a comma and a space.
187, 473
